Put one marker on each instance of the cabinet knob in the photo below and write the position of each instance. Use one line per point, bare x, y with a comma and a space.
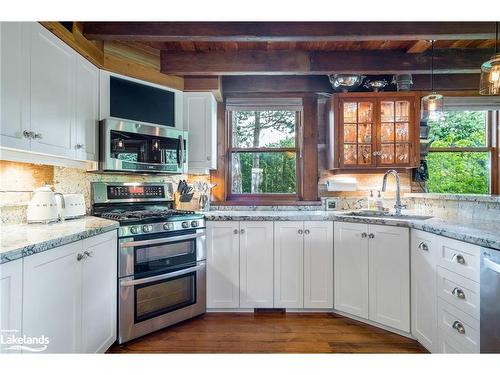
423, 246
363, 235
371, 235
27, 134
459, 259
236, 231
300, 231
459, 293
459, 327
37, 136
90, 254
79, 146
81, 256
307, 231
242, 231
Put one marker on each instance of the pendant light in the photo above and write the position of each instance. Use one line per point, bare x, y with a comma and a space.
432, 104
490, 72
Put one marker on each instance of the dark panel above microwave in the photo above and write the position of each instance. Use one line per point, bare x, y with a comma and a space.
134, 101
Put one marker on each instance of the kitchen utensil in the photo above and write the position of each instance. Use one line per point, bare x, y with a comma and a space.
43, 206
345, 82
74, 206
376, 85
186, 197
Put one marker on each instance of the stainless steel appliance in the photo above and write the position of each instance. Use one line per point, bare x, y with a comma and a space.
161, 256
490, 301
129, 146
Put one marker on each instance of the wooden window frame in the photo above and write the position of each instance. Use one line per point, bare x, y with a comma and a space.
492, 146
306, 158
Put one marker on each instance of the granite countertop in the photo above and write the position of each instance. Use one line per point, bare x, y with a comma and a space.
478, 232
21, 240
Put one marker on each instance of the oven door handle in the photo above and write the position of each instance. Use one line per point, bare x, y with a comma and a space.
163, 240
162, 277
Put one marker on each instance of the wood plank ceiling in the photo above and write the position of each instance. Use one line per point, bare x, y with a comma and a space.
302, 48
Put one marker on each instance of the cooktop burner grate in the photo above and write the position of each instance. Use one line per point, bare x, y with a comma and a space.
143, 214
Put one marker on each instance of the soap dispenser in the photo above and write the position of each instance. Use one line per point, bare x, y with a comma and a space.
379, 203
371, 201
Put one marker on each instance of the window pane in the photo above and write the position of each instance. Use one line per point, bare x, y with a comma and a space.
263, 172
459, 129
263, 129
458, 172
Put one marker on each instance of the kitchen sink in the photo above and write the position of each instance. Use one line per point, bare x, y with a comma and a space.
386, 215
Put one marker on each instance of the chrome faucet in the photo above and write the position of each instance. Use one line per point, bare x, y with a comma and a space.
398, 206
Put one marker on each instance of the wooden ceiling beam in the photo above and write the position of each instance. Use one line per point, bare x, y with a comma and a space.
444, 82
302, 62
204, 83
287, 31
276, 84
419, 46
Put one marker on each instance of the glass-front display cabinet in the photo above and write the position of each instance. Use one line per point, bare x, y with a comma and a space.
373, 130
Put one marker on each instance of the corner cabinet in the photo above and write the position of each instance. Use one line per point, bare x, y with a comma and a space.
373, 130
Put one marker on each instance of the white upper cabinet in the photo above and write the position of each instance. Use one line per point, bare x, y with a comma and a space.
14, 85
223, 277
424, 247
256, 264
52, 93
288, 264
87, 110
389, 276
351, 268
318, 264
200, 120
11, 301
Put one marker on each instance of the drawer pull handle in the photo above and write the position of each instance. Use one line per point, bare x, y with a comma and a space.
363, 235
423, 246
459, 258
459, 293
459, 327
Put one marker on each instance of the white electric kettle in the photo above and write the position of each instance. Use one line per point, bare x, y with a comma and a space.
43, 206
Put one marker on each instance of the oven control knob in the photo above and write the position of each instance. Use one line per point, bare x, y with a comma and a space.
147, 228
194, 223
135, 230
168, 226
185, 224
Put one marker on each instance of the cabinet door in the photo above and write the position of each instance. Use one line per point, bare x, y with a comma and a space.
200, 120
14, 84
52, 298
423, 288
318, 264
288, 264
52, 93
395, 133
351, 268
87, 111
357, 133
389, 270
11, 302
99, 286
223, 246
256, 264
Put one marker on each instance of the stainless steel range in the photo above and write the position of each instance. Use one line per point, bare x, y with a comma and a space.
161, 256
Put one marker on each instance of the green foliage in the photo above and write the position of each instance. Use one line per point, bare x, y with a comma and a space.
459, 172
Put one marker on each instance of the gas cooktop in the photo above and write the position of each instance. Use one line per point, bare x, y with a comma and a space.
142, 215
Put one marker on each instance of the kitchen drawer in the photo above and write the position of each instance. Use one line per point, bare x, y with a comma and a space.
458, 291
450, 321
459, 257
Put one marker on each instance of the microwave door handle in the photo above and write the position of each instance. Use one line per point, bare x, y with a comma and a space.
162, 277
163, 240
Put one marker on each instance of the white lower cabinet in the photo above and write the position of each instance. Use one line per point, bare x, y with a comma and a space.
69, 295
389, 276
288, 264
351, 268
424, 247
256, 264
372, 273
318, 264
223, 277
11, 302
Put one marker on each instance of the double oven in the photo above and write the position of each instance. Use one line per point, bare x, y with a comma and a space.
162, 281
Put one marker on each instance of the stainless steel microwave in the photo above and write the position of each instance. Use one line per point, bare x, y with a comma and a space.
130, 146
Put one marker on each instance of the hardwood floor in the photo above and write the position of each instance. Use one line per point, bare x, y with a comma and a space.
271, 333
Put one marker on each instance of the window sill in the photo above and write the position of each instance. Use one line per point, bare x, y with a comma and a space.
265, 202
